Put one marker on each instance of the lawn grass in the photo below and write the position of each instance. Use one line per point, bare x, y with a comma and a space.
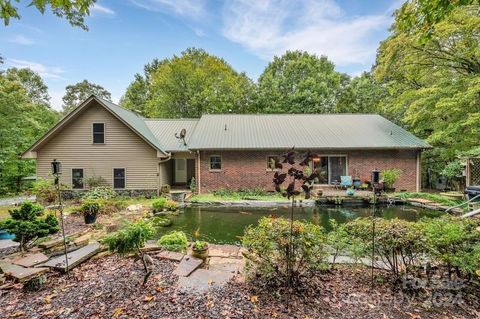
443, 200
4, 211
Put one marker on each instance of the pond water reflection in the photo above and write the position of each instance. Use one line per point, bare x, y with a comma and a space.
226, 224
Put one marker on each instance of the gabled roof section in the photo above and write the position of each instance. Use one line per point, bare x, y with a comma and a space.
166, 129
304, 131
129, 118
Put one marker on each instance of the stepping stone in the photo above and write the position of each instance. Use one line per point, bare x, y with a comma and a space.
187, 266
232, 265
203, 279
52, 243
223, 250
30, 260
19, 273
82, 240
171, 255
75, 258
8, 243
150, 247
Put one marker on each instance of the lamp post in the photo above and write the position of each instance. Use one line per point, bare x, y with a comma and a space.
375, 181
56, 172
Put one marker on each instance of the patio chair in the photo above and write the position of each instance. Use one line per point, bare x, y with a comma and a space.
346, 181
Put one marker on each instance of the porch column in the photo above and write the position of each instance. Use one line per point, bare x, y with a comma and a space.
419, 172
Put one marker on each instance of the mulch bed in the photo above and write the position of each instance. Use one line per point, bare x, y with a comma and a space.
110, 287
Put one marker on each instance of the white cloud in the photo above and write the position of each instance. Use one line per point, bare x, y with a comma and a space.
45, 72
22, 40
272, 27
101, 9
185, 8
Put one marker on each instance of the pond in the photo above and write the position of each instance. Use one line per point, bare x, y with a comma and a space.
226, 224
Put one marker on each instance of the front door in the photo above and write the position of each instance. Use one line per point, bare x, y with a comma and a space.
329, 168
180, 171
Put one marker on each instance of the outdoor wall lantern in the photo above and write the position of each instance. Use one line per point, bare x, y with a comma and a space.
56, 167
375, 176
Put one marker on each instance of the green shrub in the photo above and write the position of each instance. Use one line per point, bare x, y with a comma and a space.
111, 206
161, 221
200, 245
240, 194
90, 207
94, 181
158, 204
453, 242
45, 191
171, 205
100, 193
174, 241
398, 243
340, 242
27, 223
130, 238
268, 254
390, 176
193, 185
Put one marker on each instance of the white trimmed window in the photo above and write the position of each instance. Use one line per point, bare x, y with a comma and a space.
119, 178
77, 178
98, 131
215, 162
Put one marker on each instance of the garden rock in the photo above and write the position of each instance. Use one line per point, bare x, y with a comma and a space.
19, 273
30, 260
134, 207
187, 266
75, 258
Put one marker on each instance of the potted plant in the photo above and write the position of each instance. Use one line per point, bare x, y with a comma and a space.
356, 180
200, 249
90, 210
350, 191
390, 176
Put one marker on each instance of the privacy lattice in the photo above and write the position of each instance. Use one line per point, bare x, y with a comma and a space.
474, 171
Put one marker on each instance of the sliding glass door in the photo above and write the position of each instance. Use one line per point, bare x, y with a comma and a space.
329, 168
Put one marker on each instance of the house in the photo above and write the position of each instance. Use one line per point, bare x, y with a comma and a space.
135, 154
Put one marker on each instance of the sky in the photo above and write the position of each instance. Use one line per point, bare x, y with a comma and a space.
124, 35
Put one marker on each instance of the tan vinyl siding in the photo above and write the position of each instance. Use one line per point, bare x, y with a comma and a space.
73, 147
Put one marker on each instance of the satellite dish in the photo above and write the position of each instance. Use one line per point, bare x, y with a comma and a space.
182, 135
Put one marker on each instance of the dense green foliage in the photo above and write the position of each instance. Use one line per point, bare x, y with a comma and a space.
28, 223
299, 82
130, 238
390, 176
401, 246
268, 252
74, 11
159, 204
189, 85
101, 192
433, 86
174, 241
90, 207
24, 117
77, 93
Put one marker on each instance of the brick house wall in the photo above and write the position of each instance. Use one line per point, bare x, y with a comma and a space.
248, 169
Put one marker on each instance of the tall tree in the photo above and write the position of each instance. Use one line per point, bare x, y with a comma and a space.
188, 86
363, 95
22, 121
37, 90
77, 93
434, 86
138, 94
420, 16
74, 11
299, 82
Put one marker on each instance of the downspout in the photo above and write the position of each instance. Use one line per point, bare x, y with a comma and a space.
198, 172
419, 172
159, 180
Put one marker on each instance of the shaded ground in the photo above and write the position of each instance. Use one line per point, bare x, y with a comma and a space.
110, 287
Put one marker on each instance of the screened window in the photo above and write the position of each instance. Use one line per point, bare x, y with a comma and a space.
118, 178
271, 162
77, 178
215, 162
98, 133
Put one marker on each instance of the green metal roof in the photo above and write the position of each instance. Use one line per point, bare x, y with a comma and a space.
165, 130
303, 131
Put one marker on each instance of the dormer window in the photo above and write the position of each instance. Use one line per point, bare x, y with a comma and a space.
98, 133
